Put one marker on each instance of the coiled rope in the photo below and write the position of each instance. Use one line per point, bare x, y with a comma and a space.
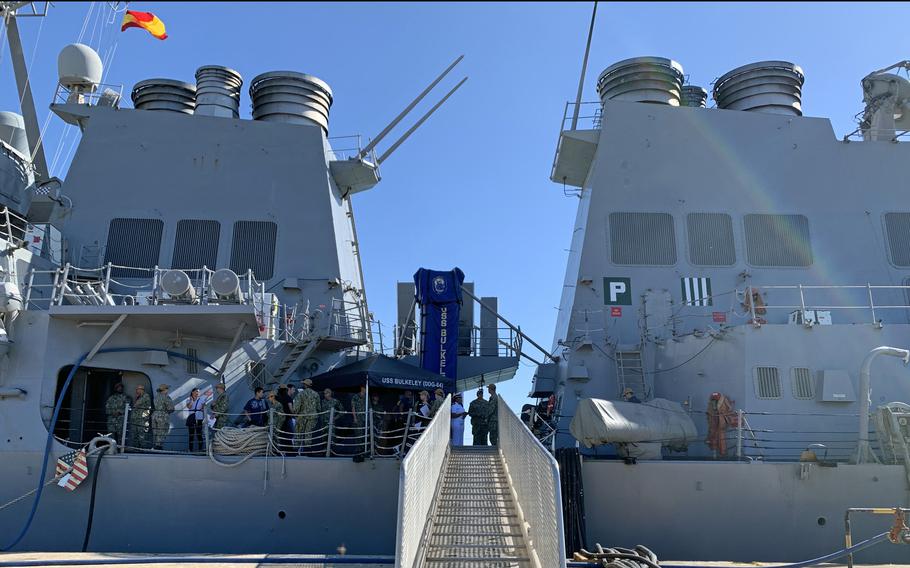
246, 442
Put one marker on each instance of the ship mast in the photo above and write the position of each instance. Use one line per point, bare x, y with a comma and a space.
11, 11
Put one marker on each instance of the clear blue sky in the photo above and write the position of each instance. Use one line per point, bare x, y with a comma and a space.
485, 157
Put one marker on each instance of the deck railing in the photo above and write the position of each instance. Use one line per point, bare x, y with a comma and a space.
808, 299
534, 476
420, 473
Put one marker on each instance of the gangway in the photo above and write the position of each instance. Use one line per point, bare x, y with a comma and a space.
472, 507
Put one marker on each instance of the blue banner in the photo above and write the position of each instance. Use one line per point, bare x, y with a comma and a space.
439, 295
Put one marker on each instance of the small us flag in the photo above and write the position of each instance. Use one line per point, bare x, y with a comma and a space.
70, 479
696, 292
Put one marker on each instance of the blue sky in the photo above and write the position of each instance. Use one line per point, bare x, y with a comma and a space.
470, 188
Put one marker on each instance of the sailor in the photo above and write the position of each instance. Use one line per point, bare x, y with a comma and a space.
458, 414
116, 407
139, 418
628, 395
306, 408
161, 416
328, 403
439, 398
422, 416
478, 410
276, 418
493, 415
358, 405
220, 406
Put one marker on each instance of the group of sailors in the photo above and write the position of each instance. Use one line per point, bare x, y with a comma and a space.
300, 419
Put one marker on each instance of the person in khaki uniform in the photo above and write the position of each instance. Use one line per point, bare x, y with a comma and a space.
161, 416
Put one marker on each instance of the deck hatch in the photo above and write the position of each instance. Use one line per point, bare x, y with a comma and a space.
801, 383
710, 239
642, 238
777, 240
253, 247
135, 243
196, 244
767, 383
897, 227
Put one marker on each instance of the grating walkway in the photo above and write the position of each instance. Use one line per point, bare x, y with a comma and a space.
474, 522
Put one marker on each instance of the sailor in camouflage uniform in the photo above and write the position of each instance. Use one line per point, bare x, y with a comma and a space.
161, 416
326, 405
139, 418
220, 406
359, 406
479, 411
440, 397
493, 415
306, 407
116, 407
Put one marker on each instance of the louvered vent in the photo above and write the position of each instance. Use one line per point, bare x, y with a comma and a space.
253, 247
192, 365
801, 382
710, 239
897, 225
767, 383
778, 240
135, 243
196, 244
642, 238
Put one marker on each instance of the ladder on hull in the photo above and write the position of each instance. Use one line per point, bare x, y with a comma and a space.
475, 522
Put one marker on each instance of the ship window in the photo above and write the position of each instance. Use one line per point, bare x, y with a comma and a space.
196, 244
767, 383
135, 243
897, 226
710, 239
801, 383
642, 238
778, 240
82, 413
253, 248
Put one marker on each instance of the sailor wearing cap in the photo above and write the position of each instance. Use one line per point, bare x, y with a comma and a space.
439, 398
139, 418
161, 416
458, 414
220, 406
628, 395
115, 407
306, 409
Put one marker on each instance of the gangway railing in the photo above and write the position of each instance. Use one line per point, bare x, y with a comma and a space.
534, 477
421, 471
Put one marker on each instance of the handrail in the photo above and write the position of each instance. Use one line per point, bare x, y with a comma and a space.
800, 303
534, 476
421, 471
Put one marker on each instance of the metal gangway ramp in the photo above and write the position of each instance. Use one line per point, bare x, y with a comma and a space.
473, 507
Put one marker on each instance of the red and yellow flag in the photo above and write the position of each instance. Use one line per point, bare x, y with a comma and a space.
145, 20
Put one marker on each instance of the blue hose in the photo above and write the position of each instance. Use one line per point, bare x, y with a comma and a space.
53, 424
833, 556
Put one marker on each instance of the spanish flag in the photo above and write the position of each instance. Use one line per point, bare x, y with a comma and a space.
145, 20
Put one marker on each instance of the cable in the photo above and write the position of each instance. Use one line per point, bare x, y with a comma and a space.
91, 504
52, 424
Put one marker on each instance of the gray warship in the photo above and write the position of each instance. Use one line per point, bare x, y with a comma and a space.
179, 283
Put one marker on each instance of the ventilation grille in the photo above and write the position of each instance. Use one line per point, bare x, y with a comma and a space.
767, 383
642, 238
253, 248
196, 244
801, 381
897, 225
711, 239
192, 365
778, 240
135, 243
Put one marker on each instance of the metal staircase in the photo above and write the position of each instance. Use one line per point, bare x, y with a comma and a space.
294, 357
475, 522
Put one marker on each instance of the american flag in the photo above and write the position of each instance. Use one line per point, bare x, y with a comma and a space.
75, 460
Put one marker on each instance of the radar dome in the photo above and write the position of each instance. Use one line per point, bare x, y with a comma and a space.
78, 65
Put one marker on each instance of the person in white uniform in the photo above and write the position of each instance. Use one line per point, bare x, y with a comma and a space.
458, 414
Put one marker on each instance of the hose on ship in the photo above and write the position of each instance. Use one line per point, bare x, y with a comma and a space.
53, 424
91, 504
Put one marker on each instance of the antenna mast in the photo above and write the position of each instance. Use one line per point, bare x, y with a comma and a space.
9, 11
584, 68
